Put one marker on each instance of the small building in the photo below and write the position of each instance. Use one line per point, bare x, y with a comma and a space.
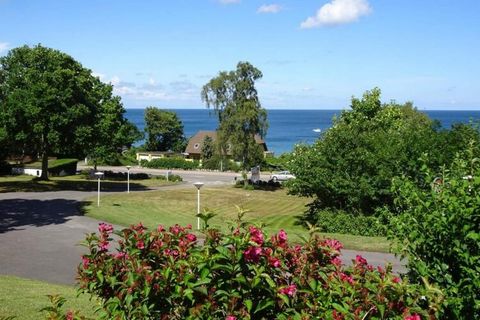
151, 155
195, 144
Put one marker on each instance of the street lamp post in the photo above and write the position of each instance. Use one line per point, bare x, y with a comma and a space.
99, 176
128, 179
198, 185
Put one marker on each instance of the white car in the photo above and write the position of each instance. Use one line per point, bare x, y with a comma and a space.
282, 176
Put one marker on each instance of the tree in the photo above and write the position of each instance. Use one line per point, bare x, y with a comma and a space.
50, 104
164, 130
234, 98
208, 148
350, 167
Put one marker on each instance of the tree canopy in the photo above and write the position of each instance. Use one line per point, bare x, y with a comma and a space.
233, 96
164, 130
352, 164
50, 104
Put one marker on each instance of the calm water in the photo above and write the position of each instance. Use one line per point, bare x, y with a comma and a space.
287, 127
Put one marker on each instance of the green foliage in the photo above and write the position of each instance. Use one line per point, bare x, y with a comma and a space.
50, 104
164, 274
337, 221
351, 165
63, 166
170, 163
220, 163
234, 98
208, 148
164, 131
436, 225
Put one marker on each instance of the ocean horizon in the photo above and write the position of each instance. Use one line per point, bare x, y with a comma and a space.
290, 127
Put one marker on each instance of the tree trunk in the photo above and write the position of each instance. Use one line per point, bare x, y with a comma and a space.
44, 175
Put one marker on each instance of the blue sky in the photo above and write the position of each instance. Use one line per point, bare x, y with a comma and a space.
313, 54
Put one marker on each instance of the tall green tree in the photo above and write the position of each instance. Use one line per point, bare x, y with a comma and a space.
164, 130
351, 166
50, 104
208, 148
235, 100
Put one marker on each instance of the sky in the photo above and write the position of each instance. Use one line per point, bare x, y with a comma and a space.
313, 54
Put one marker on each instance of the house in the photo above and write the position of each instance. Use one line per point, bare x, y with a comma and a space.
195, 144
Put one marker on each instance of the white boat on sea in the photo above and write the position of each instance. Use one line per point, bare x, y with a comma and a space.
317, 130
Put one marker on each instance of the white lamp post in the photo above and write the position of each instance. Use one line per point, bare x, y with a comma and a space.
198, 185
128, 179
99, 176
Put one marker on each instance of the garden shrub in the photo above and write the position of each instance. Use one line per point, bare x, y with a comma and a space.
437, 226
259, 185
337, 221
171, 177
170, 163
216, 163
167, 274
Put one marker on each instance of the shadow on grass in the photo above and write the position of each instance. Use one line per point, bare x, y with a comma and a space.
72, 185
18, 213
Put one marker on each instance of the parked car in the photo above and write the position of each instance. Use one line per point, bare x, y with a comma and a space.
282, 176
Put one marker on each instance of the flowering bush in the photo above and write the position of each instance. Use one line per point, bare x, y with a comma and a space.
167, 274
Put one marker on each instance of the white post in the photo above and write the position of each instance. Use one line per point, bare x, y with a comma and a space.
198, 185
128, 179
99, 175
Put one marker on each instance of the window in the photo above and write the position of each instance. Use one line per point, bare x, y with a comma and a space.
196, 145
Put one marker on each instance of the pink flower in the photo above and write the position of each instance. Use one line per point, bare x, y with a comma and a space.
274, 262
256, 235
289, 291
334, 244
85, 262
103, 227
360, 260
396, 280
176, 229
282, 236
413, 317
191, 237
253, 254
336, 261
160, 228
69, 315
140, 245
120, 255
346, 278
231, 318
103, 245
189, 226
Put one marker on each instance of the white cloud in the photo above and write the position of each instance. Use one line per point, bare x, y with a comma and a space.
4, 46
338, 12
269, 8
229, 1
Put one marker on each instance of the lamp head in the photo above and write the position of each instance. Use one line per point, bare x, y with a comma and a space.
128, 167
198, 185
99, 174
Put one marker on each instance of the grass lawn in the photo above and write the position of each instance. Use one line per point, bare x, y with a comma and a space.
276, 209
23, 298
27, 183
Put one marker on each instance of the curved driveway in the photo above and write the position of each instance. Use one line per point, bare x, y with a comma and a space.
40, 234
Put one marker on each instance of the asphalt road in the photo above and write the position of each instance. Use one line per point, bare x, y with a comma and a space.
40, 233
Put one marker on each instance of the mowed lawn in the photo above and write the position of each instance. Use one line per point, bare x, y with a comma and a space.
276, 210
24, 298
25, 183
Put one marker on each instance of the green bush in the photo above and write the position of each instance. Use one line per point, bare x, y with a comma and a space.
436, 225
171, 177
337, 221
170, 163
164, 274
216, 163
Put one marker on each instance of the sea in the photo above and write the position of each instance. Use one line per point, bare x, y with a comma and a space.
289, 127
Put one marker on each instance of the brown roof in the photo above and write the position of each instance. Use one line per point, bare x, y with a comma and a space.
195, 143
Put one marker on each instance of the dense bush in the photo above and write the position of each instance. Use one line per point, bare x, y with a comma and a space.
350, 167
164, 274
63, 167
119, 176
437, 227
170, 163
171, 177
337, 221
217, 163
259, 185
